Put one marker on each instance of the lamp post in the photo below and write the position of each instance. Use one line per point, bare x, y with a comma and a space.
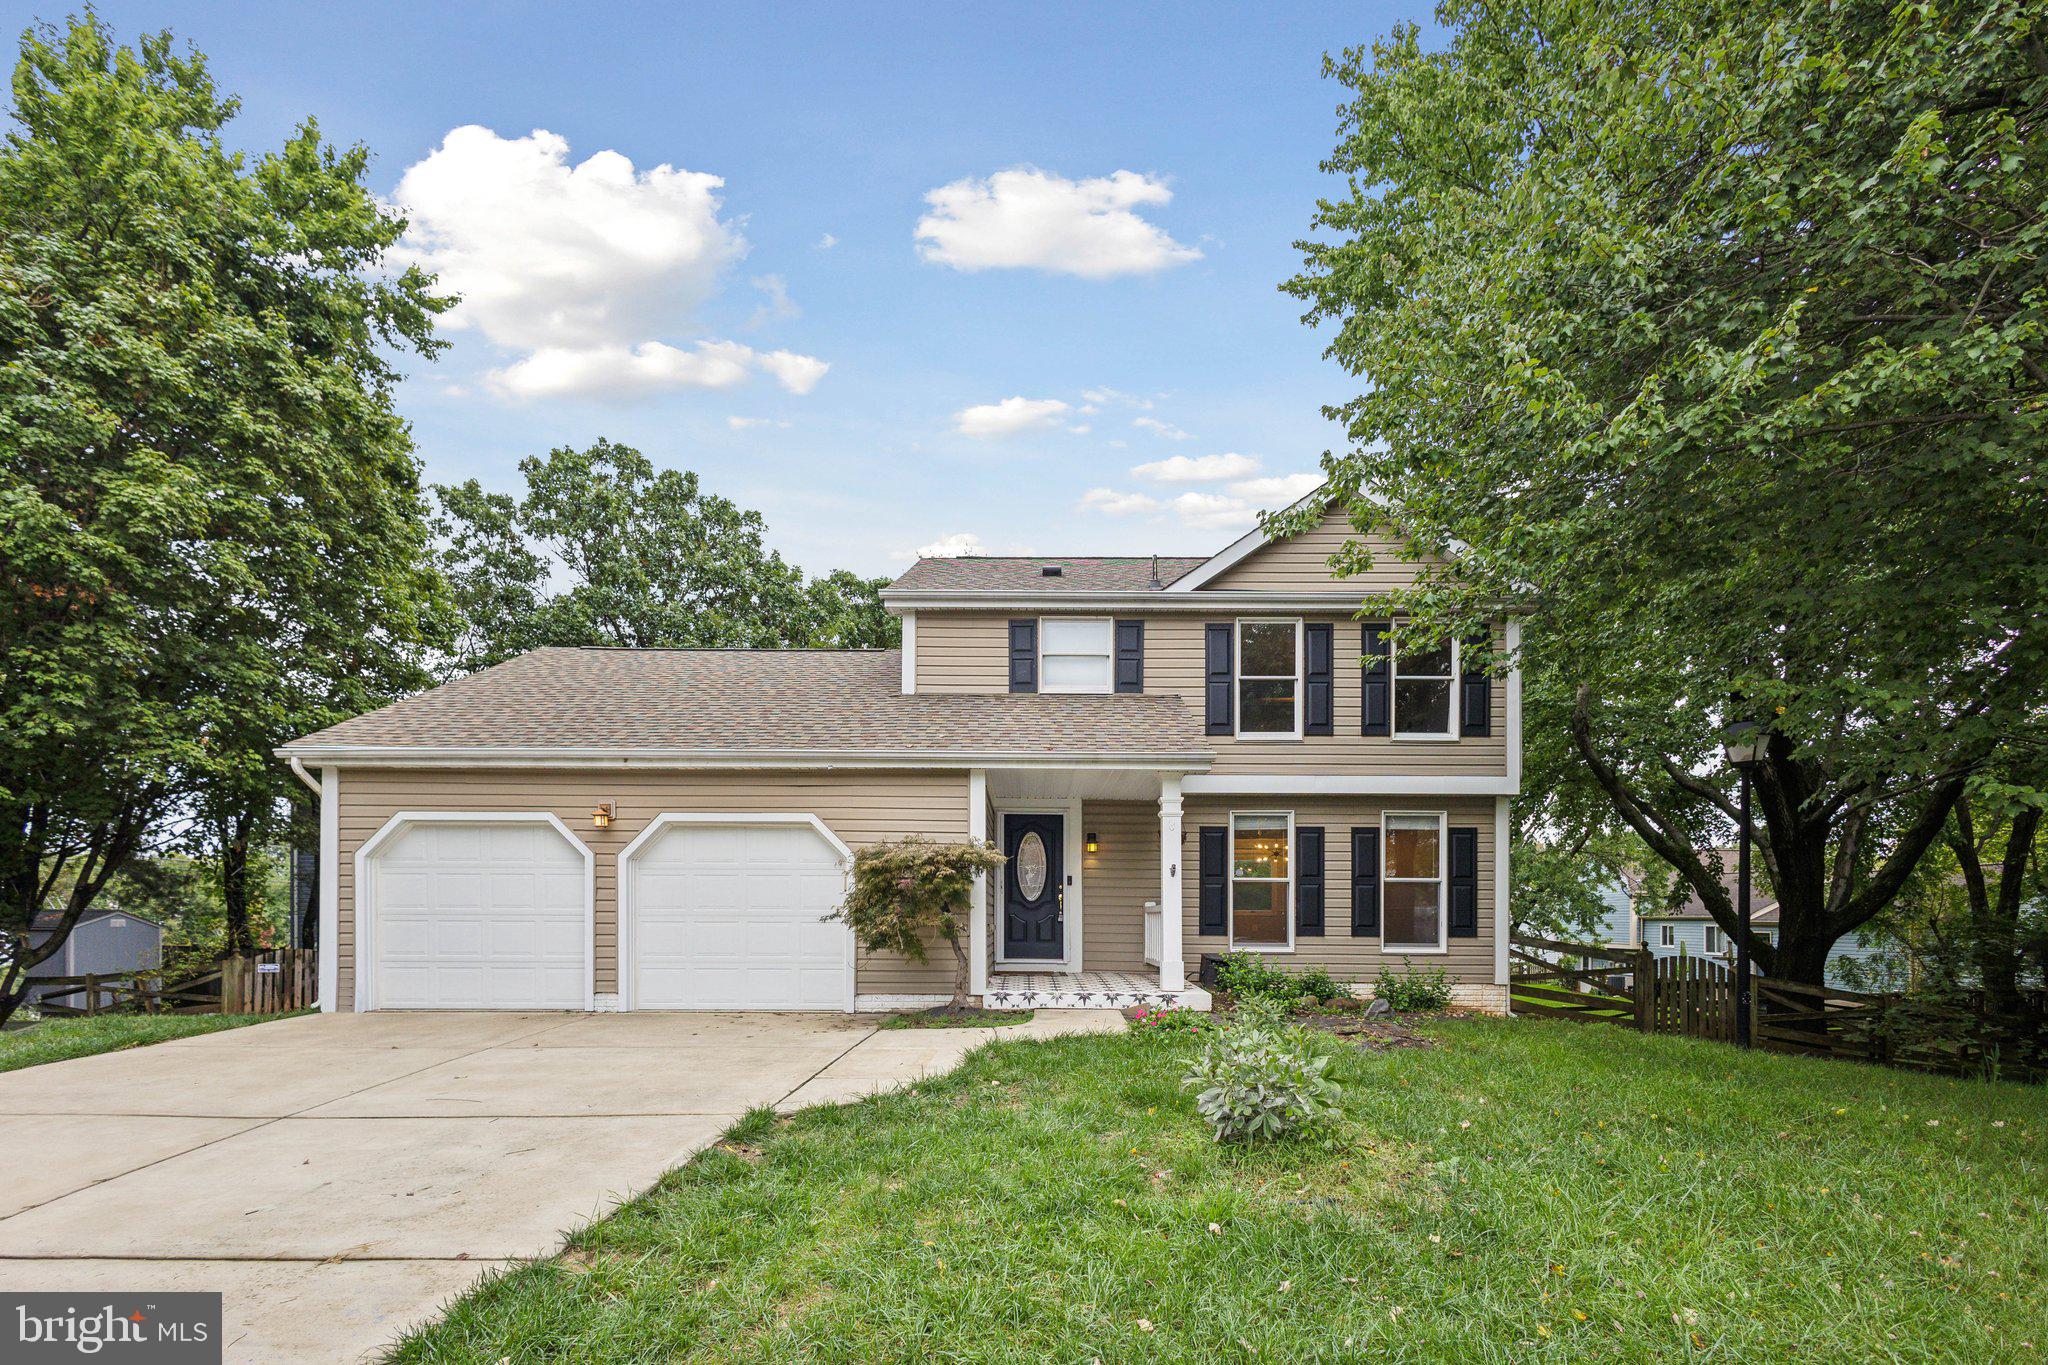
1744, 742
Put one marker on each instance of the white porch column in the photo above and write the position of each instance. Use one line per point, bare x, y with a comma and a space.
1173, 970
977, 915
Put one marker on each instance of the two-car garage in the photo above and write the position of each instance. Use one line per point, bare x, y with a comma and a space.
498, 911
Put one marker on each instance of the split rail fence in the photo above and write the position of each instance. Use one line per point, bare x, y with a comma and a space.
273, 981
1694, 997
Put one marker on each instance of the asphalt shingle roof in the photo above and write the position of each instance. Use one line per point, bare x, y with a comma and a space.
1084, 573
754, 701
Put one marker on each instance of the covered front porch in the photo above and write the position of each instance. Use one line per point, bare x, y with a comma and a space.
1086, 912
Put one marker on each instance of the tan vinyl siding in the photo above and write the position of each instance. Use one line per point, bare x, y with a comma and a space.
861, 807
1469, 960
1173, 664
962, 653
1303, 564
1116, 881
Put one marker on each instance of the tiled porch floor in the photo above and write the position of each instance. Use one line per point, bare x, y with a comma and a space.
1084, 990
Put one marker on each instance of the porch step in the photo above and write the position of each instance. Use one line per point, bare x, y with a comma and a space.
1086, 991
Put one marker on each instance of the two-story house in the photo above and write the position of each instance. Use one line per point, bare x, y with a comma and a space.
1177, 755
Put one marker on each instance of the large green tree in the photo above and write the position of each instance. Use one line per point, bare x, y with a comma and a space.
211, 529
1717, 333
605, 549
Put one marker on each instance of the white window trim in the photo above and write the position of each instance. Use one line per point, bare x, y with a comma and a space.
1451, 716
1230, 881
1108, 657
1443, 882
1238, 680
1667, 936
1714, 940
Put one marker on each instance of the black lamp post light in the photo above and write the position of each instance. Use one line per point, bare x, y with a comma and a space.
1745, 743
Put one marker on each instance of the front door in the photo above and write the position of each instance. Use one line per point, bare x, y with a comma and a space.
1034, 888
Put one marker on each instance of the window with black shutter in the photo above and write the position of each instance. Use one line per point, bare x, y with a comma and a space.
1365, 883
1308, 880
1377, 710
1219, 666
1024, 655
1464, 912
1130, 656
1214, 916
1318, 702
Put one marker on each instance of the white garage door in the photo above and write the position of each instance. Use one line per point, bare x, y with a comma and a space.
486, 916
733, 917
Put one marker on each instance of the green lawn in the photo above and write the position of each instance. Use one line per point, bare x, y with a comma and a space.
1524, 1189
58, 1040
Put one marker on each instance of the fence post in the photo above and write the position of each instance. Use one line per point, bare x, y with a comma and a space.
92, 995
1645, 978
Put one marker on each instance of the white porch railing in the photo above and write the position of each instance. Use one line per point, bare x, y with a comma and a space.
1155, 933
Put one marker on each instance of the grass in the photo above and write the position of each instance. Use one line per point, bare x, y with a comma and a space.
1524, 1189
59, 1040
970, 1018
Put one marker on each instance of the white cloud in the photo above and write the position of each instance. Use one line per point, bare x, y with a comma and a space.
1116, 504
987, 421
1026, 218
1108, 395
778, 306
825, 243
617, 372
1198, 468
1166, 429
581, 267
1214, 512
1279, 491
746, 423
959, 545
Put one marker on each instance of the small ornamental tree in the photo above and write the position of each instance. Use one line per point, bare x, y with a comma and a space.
906, 892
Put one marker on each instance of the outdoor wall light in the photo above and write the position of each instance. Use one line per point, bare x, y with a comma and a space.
602, 816
1092, 845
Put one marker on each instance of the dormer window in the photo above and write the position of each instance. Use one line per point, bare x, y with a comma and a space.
1076, 654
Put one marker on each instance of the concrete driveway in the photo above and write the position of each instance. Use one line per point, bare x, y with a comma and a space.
339, 1177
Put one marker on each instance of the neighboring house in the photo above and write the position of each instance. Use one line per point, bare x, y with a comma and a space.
668, 829
1688, 929
105, 942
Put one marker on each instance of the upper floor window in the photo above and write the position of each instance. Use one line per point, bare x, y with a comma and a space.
1425, 682
1076, 655
1713, 939
1665, 936
1268, 679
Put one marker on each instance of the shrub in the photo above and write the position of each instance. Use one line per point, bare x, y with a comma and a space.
1414, 990
1318, 984
1260, 1079
1251, 974
905, 892
1150, 1021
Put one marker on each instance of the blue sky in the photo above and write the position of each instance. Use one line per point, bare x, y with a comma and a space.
1160, 160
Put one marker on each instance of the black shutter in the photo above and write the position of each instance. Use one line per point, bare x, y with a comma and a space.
1464, 919
1215, 916
1024, 656
1377, 710
1365, 883
1130, 656
1318, 707
1219, 675
1476, 689
1308, 880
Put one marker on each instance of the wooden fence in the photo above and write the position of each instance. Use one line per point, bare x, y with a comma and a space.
1694, 997
273, 981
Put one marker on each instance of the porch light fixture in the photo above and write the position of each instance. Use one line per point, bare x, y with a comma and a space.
1093, 847
602, 816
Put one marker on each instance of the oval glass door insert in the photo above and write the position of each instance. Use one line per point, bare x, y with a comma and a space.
1031, 865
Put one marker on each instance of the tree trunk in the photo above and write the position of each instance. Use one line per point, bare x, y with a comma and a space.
240, 939
962, 974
